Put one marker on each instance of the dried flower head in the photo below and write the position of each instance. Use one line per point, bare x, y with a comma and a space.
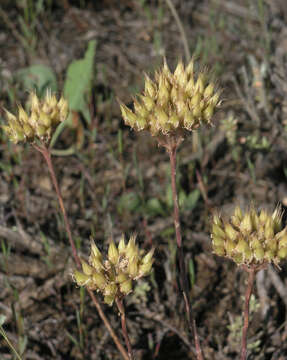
173, 102
114, 276
250, 238
45, 115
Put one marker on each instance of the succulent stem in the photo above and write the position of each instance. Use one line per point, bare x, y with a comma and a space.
121, 307
46, 152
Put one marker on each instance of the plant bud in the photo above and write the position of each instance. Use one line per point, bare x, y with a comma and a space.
208, 112
161, 116
259, 253
242, 246
95, 251
109, 300
199, 85
230, 231
189, 120
148, 102
282, 253
148, 257
217, 231
44, 119
272, 245
149, 87
99, 280
113, 254
214, 100
122, 245
217, 241
190, 86
219, 250
28, 131
22, 116
248, 255
283, 241
40, 130
238, 258
145, 268
263, 216
126, 287
246, 224
96, 263
195, 100
34, 102
174, 121
269, 231
230, 246
80, 278
269, 255
87, 269
208, 90
179, 71
133, 267
121, 277
110, 289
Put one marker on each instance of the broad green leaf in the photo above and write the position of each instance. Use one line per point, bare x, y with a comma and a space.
191, 200
154, 207
129, 202
39, 77
78, 82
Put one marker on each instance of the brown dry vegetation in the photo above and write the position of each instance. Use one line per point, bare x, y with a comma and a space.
107, 192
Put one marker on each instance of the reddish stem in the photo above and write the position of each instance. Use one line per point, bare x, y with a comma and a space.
251, 276
121, 308
171, 146
47, 156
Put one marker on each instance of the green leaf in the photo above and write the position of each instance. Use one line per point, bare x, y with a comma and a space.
191, 200
39, 77
154, 207
191, 272
129, 202
78, 82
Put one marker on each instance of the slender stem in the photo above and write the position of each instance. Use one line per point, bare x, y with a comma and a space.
47, 156
121, 308
251, 277
171, 147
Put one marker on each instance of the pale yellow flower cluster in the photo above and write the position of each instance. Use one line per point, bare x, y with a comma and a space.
250, 238
173, 102
45, 115
114, 276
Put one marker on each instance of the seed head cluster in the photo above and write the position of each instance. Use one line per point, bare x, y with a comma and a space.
45, 115
173, 102
250, 238
114, 276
